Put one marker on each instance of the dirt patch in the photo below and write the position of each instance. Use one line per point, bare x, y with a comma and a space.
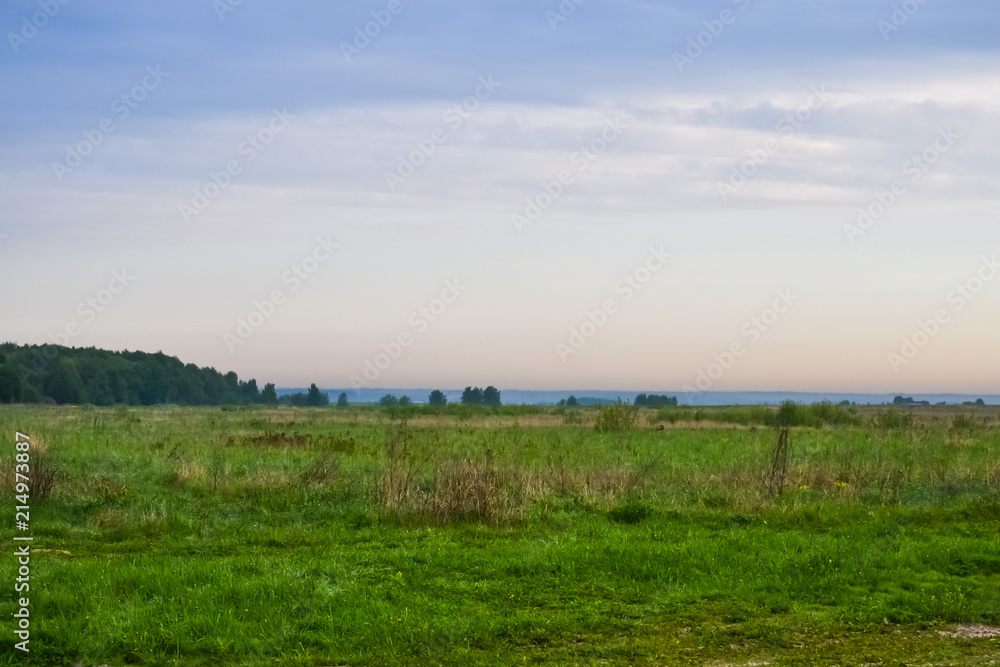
976, 631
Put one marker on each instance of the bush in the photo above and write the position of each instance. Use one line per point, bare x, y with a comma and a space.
759, 414
473, 491
616, 418
43, 476
791, 414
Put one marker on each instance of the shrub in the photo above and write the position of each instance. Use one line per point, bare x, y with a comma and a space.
473, 491
791, 414
616, 418
45, 474
759, 414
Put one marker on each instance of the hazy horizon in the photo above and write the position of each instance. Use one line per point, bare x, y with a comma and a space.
699, 399
735, 196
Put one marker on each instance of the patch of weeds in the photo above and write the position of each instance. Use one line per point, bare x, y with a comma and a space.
360, 519
616, 418
631, 512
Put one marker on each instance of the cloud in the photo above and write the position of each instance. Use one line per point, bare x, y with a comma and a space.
355, 121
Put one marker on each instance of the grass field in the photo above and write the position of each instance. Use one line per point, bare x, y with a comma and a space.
200, 536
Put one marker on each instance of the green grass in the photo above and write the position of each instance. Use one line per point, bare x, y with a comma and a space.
183, 536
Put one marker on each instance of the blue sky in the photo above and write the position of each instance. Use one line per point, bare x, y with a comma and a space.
647, 151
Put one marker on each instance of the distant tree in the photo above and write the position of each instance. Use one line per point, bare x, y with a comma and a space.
270, 395
388, 401
980, 402
66, 385
491, 396
640, 401
316, 398
571, 402
298, 399
437, 398
790, 413
11, 386
472, 396
405, 402
249, 390
342, 400
655, 401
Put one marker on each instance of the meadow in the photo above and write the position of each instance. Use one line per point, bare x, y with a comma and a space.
518, 536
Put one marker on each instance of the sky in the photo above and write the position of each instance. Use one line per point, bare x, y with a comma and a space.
726, 195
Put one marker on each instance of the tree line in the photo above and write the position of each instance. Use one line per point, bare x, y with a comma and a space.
70, 375
489, 397
66, 375
655, 401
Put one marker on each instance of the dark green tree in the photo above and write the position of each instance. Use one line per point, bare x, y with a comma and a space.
655, 401
316, 398
250, 391
299, 399
472, 396
66, 385
101, 377
491, 396
342, 400
405, 402
437, 398
11, 386
571, 402
270, 395
388, 401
